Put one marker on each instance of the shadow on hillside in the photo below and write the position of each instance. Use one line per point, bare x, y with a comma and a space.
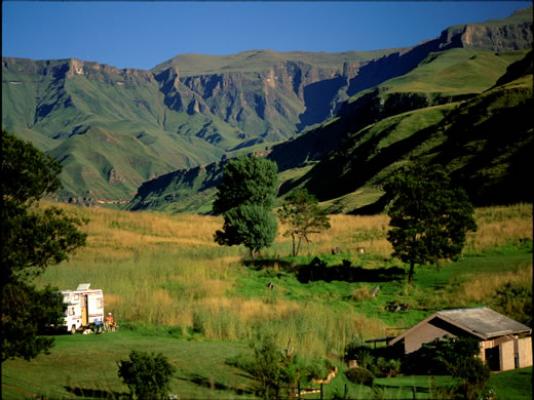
317, 270
348, 273
96, 393
213, 385
262, 263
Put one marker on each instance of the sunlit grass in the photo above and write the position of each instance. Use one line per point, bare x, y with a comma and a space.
166, 270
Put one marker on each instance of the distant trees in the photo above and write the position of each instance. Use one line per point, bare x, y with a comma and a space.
31, 239
429, 217
147, 375
302, 214
245, 199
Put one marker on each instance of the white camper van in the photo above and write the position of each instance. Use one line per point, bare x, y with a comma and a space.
85, 308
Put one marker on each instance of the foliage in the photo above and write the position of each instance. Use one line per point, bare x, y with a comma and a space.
515, 301
473, 375
373, 360
361, 376
250, 225
279, 370
245, 198
146, 374
302, 213
246, 181
31, 239
29, 312
456, 356
440, 356
429, 216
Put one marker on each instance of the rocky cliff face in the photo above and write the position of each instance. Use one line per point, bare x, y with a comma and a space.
192, 109
272, 103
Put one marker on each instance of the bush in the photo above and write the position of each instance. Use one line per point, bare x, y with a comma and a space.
473, 375
515, 301
378, 361
386, 368
440, 357
147, 375
451, 356
360, 376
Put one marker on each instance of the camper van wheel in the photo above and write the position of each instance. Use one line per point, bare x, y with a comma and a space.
73, 329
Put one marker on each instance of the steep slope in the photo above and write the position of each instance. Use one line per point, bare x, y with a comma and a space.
114, 128
374, 133
96, 119
165, 118
377, 121
484, 141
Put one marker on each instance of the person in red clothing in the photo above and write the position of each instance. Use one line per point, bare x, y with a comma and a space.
110, 322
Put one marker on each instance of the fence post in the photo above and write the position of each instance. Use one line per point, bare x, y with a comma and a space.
321, 391
298, 389
345, 391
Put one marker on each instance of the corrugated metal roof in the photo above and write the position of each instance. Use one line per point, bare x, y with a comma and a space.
483, 322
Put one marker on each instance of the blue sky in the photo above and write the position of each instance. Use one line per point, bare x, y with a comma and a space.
144, 34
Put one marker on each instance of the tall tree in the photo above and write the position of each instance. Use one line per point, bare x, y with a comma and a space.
247, 180
245, 198
250, 225
429, 216
302, 214
31, 238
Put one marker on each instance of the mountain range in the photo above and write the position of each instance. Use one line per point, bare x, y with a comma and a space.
352, 115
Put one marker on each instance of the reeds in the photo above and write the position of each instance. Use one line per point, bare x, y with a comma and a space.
164, 270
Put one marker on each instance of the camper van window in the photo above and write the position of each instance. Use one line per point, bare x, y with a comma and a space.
71, 311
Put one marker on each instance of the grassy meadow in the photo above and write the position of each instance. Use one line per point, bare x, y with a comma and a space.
174, 290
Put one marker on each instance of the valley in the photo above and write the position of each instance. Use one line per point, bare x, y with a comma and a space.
113, 129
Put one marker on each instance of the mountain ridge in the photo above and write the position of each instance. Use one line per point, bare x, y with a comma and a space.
169, 117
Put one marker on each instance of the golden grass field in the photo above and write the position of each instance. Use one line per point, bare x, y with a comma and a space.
166, 270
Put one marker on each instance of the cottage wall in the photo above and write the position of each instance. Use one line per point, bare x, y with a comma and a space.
524, 347
506, 355
424, 334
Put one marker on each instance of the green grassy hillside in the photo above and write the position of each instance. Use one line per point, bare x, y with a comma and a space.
173, 290
376, 130
484, 141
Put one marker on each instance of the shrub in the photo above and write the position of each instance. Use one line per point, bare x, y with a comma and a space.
386, 367
361, 353
147, 375
515, 301
361, 376
361, 293
473, 375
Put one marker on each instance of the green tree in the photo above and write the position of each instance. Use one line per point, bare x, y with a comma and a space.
247, 180
147, 375
276, 369
302, 214
245, 198
32, 238
250, 225
429, 216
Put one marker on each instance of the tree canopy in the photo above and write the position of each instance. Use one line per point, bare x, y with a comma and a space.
32, 238
247, 180
302, 214
429, 216
251, 225
245, 198
147, 375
